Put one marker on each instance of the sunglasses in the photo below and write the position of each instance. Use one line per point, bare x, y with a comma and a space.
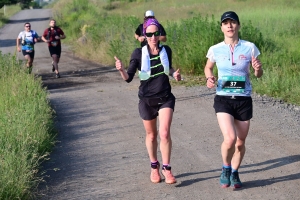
156, 33
27, 26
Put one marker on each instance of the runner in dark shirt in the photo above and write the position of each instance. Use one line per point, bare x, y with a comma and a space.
139, 31
52, 36
154, 63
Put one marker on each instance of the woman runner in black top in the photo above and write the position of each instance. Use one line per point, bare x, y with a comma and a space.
154, 63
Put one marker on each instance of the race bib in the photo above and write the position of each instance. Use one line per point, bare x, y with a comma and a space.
233, 84
54, 43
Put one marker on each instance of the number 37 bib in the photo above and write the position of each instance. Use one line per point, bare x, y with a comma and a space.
233, 84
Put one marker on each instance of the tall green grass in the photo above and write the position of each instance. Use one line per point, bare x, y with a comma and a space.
26, 129
192, 27
99, 36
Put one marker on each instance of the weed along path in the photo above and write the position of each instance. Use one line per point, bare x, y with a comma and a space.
101, 153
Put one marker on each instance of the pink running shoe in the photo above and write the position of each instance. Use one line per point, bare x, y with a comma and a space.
155, 176
169, 178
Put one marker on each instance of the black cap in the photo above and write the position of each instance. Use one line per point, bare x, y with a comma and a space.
230, 15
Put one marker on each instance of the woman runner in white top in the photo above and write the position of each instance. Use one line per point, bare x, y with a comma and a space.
233, 103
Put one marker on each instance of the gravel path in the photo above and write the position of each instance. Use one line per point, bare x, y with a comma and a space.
101, 153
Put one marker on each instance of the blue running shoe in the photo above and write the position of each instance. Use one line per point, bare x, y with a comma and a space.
225, 177
235, 180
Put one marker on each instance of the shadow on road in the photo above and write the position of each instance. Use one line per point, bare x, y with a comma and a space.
195, 180
272, 164
70, 78
27, 20
8, 42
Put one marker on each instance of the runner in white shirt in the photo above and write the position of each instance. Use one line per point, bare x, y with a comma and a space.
28, 38
233, 103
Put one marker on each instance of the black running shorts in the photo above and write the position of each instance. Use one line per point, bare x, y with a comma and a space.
148, 112
239, 107
55, 50
30, 53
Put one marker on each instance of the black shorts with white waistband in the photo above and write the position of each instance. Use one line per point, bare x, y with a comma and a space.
148, 108
27, 52
240, 107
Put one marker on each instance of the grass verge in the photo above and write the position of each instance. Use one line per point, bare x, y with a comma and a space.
26, 129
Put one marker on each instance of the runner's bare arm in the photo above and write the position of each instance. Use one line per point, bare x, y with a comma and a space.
121, 69
44, 39
208, 71
18, 44
257, 66
60, 37
163, 38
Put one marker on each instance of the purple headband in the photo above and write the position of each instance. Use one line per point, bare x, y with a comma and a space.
148, 22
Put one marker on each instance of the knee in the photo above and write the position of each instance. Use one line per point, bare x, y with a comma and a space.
229, 142
152, 136
165, 136
240, 145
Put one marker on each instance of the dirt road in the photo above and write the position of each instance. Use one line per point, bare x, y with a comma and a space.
101, 152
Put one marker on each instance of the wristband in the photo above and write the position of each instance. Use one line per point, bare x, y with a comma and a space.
209, 77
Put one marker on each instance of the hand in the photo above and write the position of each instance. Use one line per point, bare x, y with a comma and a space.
19, 49
176, 75
256, 64
210, 81
141, 39
118, 64
57, 37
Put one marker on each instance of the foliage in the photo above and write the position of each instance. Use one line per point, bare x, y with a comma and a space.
275, 34
26, 129
186, 52
9, 11
7, 2
23, 3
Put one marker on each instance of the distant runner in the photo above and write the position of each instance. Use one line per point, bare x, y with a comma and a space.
52, 36
139, 30
28, 38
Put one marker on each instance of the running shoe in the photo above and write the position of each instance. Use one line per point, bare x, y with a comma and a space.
155, 176
225, 177
57, 75
169, 178
53, 68
235, 180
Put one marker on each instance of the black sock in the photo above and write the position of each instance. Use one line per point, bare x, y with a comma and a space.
154, 165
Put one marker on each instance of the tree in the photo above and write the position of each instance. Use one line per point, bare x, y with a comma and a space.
9, 2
